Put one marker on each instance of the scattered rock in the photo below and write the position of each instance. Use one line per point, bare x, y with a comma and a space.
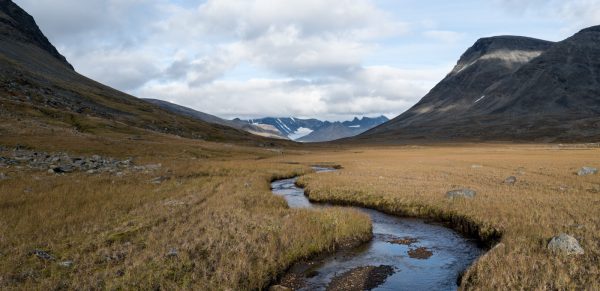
62, 163
565, 244
172, 253
467, 193
421, 253
279, 288
42, 255
585, 171
510, 180
66, 264
3, 176
361, 278
159, 180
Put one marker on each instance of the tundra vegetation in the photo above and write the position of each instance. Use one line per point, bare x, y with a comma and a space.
205, 219
518, 217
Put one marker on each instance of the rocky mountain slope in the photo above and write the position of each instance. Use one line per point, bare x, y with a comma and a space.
37, 83
185, 111
510, 88
330, 131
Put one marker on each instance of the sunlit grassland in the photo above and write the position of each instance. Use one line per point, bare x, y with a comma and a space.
214, 208
548, 199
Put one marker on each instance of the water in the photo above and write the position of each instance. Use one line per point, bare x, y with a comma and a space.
452, 253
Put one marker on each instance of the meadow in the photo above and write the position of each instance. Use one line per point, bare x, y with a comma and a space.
212, 223
517, 221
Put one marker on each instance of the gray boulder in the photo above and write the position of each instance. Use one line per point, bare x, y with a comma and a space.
584, 171
467, 193
510, 180
565, 244
66, 264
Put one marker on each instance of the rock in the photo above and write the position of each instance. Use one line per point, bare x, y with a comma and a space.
42, 255
467, 193
153, 167
172, 253
159, 180
279, 288
3, 176
66, 264
584, 171
565, 244
510, 180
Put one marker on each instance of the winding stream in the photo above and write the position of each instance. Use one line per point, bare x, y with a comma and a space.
444, 253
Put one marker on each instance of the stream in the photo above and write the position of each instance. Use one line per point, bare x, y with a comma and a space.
404, 254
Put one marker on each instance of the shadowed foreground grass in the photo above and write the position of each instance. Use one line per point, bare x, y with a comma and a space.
547, 199
214, 209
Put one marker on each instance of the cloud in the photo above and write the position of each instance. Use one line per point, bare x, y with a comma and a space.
575, 14
310, 53
367, 91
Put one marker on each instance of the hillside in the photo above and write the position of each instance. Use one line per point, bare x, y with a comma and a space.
510, 88
37, 83
205, 117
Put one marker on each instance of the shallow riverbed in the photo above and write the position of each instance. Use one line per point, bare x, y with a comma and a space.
423, 256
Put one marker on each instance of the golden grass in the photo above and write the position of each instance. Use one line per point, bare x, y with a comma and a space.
547, 199
215, 209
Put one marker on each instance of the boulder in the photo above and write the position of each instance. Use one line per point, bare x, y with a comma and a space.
66, 264
510, 180
584, 171
565, 244
466, 193
42, 255
172, 253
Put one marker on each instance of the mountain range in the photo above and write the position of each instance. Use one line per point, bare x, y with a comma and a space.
314, 130
510, 88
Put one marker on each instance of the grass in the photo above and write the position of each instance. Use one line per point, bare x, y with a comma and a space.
547, 199
216, 210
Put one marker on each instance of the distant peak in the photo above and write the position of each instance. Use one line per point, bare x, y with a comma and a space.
509, 48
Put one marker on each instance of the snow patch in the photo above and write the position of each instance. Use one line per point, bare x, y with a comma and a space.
479, 99
301, 132
354, 126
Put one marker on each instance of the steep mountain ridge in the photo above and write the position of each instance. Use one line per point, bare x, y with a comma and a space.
36, 82
510, 88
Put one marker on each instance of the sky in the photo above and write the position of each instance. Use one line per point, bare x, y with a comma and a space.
332, 59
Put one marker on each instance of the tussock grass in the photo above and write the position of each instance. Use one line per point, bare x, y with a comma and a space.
215, 210
547, 199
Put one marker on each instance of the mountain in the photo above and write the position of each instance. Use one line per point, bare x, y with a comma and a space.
185, 111
314, 130
338, 130
37, 83
290, 127
510, 88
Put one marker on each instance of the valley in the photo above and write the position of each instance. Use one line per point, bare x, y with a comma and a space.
488, 182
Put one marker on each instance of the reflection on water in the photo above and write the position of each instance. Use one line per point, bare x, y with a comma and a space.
452, 253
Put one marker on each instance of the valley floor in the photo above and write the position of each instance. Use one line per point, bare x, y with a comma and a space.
206, 219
